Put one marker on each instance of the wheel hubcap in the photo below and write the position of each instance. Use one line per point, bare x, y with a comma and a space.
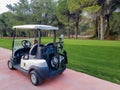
33, 78
10, 64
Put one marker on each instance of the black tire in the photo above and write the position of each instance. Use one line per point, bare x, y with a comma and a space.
35, 78
63, 65
10, 65
60, 73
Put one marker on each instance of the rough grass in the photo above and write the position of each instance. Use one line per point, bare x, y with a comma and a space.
97, 58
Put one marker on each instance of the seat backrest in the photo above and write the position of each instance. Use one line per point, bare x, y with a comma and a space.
33, 50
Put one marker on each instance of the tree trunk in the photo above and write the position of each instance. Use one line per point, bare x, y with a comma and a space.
99, 28
76, 28
1, 36
68, 33
108, 26
76, 31
50, 34
29, 34
102, 27
96, 28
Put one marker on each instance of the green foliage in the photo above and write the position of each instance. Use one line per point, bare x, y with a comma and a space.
62, 12
43, 11
35, 11
25, 12
73, 5
115, 22
92, 9
8, 18
69, 12
66, 14
6, 21
21, 11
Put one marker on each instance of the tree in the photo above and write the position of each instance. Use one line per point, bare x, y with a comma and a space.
43, 11
34, 12
92, 13
111, 7
69, 12
6, 22
76, 8
63, 14
21, 11
75, 11
108, 6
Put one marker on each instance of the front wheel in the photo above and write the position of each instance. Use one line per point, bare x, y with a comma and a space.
35, 78
10, 65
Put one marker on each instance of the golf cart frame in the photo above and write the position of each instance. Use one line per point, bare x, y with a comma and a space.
48, 61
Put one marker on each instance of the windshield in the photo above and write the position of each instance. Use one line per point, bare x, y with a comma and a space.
18, 42
34, 36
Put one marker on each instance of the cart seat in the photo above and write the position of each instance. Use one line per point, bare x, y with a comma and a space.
33, 50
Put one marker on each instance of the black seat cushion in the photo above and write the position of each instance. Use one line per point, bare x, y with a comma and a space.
33, 50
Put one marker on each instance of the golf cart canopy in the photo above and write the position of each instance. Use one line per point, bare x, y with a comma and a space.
37, 27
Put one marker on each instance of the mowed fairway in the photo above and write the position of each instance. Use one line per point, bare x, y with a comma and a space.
94, 57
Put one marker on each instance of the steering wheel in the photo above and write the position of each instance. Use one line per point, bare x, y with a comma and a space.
26, 43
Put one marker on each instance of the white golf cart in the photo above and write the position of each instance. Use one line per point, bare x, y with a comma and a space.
38, 61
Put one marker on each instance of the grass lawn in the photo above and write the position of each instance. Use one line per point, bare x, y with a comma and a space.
6, 43
97, 58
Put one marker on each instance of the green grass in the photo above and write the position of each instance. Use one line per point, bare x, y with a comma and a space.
6, 43
97, 58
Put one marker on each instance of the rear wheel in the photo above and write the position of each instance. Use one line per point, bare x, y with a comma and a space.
63, 65
10, 65
35, 78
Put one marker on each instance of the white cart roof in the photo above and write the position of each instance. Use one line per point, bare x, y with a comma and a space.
42, 27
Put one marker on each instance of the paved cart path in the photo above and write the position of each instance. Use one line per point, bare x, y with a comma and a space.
69, 80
